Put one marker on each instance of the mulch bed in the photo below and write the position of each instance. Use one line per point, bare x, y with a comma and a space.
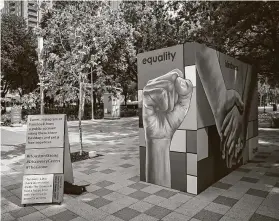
75, 157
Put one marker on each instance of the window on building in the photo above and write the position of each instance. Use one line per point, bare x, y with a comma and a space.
32, 16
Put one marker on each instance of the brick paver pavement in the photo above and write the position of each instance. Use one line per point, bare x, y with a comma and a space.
115, 192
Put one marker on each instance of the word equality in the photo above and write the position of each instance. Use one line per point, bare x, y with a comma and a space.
159, 58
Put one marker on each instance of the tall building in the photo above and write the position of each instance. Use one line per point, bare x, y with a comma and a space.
26, 8
115, 4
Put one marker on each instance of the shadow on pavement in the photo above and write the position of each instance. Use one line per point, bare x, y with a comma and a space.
11, 151
269, 136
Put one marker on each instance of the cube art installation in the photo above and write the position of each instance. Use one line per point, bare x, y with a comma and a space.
198, 116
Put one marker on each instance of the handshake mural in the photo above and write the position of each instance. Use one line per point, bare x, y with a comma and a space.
166, 101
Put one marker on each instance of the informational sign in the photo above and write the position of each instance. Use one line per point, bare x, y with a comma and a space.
42, 161
16, 115
47, 159
42, 188
37, 188
45, 131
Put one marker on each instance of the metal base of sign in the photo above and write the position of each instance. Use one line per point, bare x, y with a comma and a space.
54, 203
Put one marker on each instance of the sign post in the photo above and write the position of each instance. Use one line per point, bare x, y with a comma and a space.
47, 159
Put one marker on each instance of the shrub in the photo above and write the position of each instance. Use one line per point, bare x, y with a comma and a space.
99, 113
275, 120
6, 119
126, 112
72, 112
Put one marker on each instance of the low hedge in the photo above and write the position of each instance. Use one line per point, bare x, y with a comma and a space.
126, 112
72, 112
6, 119
275, 120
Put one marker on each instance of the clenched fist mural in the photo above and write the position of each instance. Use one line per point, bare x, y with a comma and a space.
198, 116
166, 101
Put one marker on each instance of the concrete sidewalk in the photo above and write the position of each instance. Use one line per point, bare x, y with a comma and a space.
115, 192
96, 134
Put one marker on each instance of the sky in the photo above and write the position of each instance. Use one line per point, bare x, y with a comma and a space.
1, 4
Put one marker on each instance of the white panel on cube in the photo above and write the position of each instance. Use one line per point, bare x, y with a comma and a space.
192, 184
192, 164
190, 120
141, 137
178, 142
191, 74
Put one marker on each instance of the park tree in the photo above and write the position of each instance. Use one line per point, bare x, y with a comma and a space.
67, 43
18, 56
155, 26
119, 55
79, 41
248, 31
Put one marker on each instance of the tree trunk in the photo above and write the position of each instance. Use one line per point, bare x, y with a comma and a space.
42, 96
4, 90
92, 97
82, 99
125, 99
267, 99
264, 102
275, 97
95, 104
261, 99
20, 93
79, 114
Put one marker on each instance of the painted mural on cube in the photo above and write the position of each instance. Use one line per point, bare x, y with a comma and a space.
166, 101
226, 99
198, 117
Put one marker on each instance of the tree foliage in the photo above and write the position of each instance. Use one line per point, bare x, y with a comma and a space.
81, 37
85, 36
245, 30
18, 56
155, 26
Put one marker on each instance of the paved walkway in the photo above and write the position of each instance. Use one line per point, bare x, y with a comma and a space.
115, 192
